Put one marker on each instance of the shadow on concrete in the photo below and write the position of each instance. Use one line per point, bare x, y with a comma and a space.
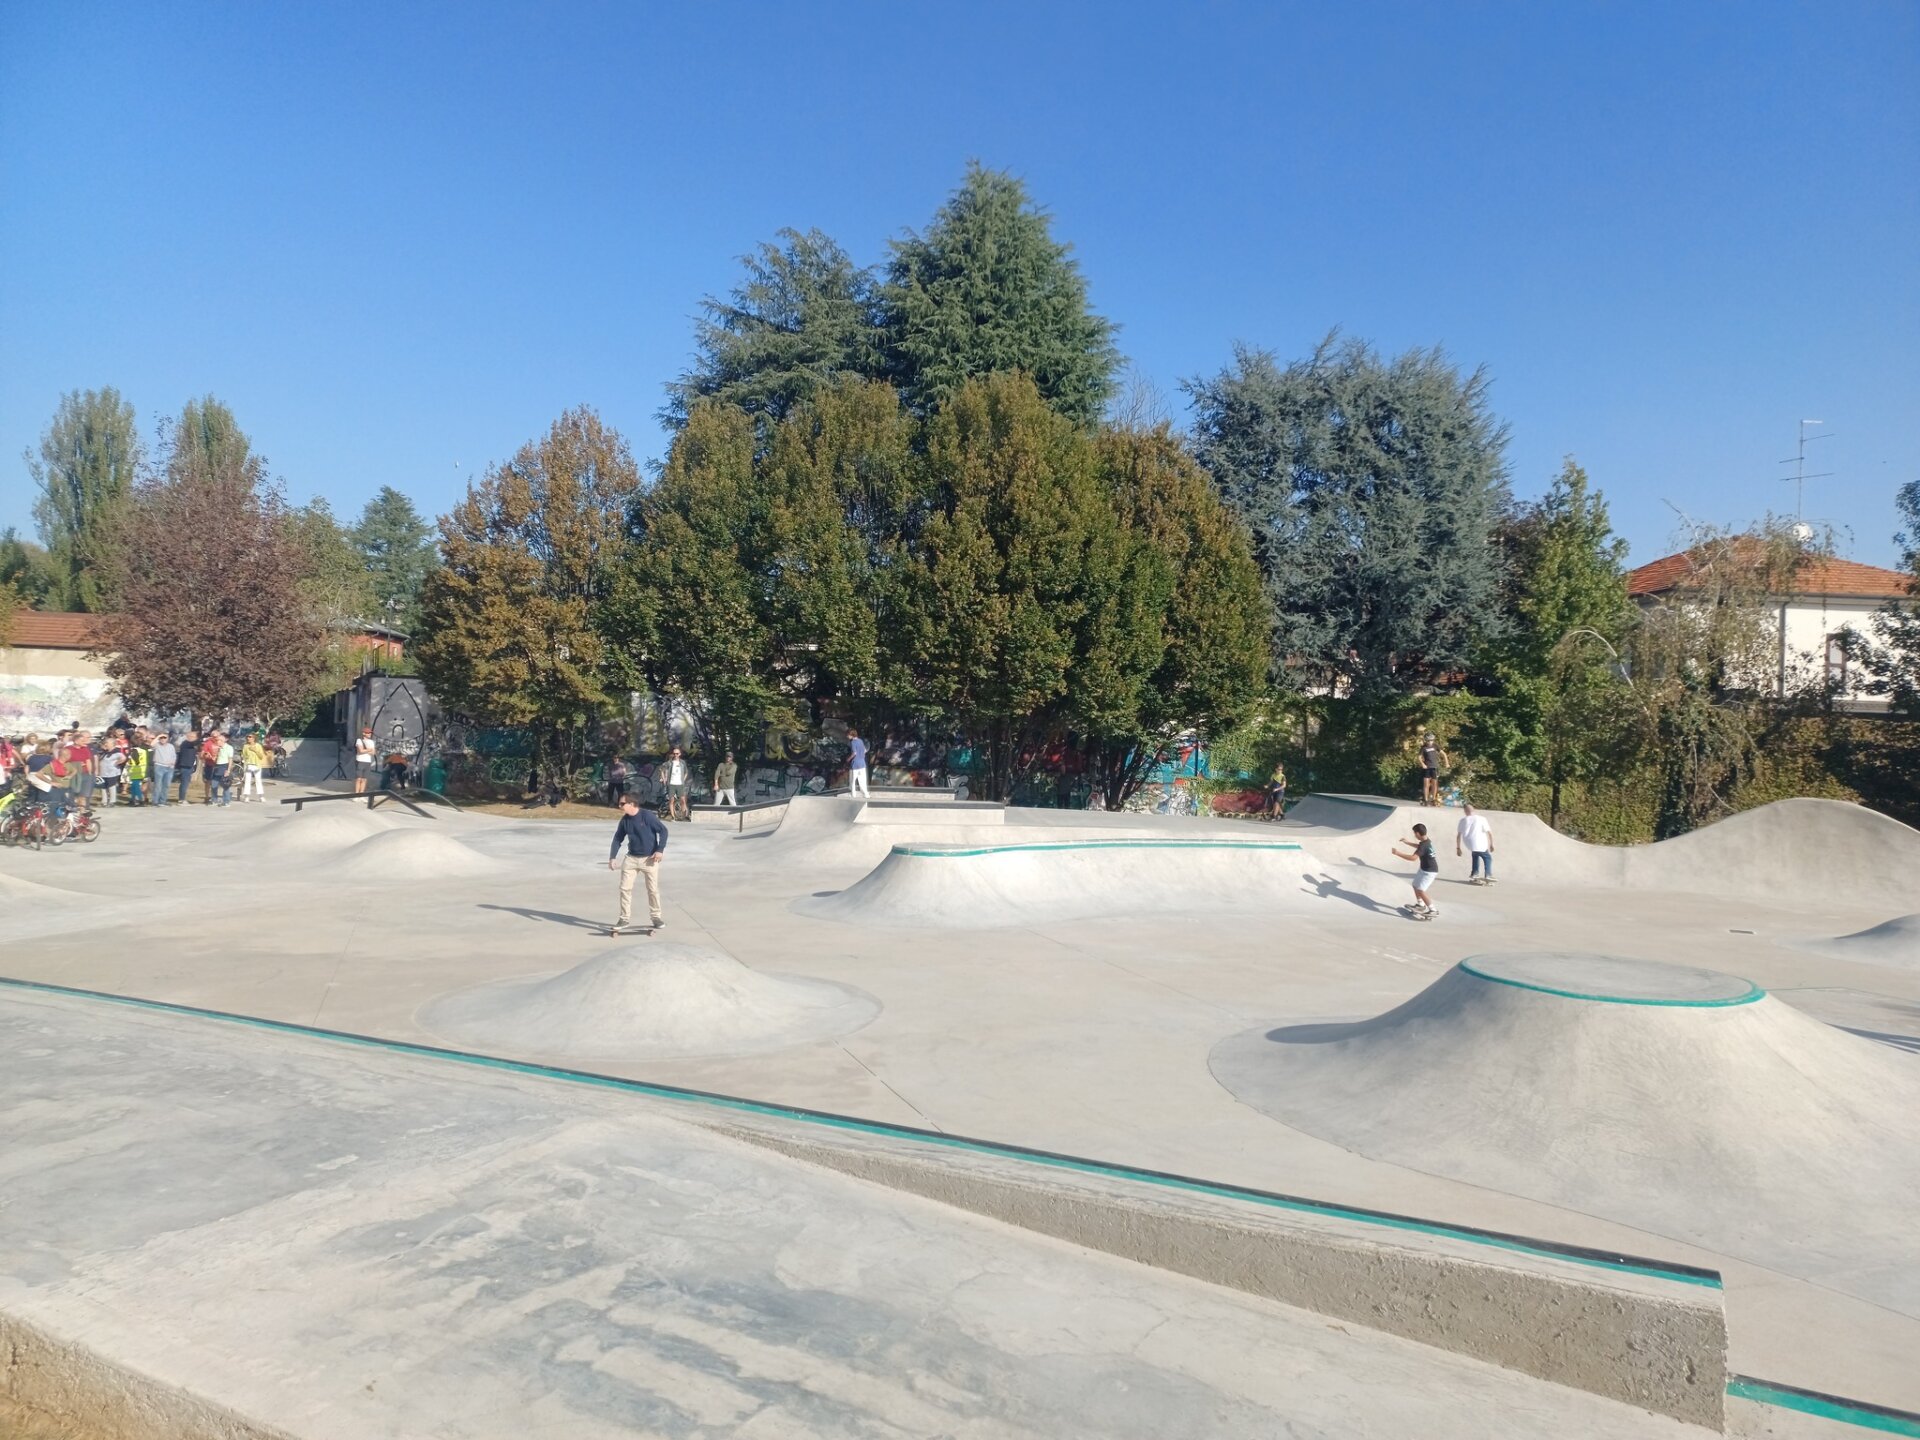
1317, 1034
1328, 888
552, 918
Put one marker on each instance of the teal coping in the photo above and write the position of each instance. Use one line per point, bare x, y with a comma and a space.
929, 851
1886, 1420
1540, 1249
1753, 993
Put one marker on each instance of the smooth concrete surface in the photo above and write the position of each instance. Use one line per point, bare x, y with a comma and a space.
1687, 1102
1654, 1340
1891, 942
1090, 1036
400, 1247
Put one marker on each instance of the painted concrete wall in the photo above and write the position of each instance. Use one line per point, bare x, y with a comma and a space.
45, 689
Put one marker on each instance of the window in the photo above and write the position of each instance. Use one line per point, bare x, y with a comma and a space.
1837, 660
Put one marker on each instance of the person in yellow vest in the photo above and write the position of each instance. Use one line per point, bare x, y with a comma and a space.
253, 760
136, 774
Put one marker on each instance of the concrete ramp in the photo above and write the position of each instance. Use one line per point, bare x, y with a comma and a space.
650, 1000
1841, 851
982, 887
1689, 1103
319, 831
1894, 942
410, 855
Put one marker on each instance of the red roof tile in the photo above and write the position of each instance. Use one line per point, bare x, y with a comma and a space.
56, 630
1814, 576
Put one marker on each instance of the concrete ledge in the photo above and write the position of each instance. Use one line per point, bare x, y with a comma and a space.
80, 1394
1647, 1339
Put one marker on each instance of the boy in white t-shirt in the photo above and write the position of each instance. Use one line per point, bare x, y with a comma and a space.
1477, 836
363, 749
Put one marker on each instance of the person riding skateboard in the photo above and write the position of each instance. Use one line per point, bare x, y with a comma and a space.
1429, 871
1477, 836
646, 841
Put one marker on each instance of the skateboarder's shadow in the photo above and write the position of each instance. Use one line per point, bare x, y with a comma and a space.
548, 915
1328, 888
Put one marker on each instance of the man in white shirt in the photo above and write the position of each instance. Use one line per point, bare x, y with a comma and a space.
679, 784
1477, 836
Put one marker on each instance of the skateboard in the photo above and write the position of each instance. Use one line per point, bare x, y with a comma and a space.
1418, 912
615, 931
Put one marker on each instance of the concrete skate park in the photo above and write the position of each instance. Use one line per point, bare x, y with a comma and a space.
930, 1118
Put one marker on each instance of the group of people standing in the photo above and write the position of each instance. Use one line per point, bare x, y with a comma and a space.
135, 765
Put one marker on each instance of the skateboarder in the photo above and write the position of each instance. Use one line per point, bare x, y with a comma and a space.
726, 777
1432, 757
1477, 836
1277, 794
856, 763
1429, 871
646, 841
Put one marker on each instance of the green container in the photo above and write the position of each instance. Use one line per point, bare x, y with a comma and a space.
436, 775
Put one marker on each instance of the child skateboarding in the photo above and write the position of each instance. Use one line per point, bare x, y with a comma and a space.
1422, 851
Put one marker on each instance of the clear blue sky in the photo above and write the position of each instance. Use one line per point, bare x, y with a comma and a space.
400, 239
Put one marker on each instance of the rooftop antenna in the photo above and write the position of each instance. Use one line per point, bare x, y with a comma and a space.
1799, 462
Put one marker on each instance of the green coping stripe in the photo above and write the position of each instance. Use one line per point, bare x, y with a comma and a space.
1753, 993
927, 851
1613, 1262
1865, 1416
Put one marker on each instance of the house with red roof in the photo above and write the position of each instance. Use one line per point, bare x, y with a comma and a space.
48, 676
1826, 598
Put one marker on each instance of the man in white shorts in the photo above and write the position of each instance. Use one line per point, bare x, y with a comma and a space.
363, 749
856, 763
1477, 836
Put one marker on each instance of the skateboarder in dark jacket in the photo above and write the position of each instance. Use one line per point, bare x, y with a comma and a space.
646, 841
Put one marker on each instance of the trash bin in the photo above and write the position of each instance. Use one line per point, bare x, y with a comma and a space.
436, 776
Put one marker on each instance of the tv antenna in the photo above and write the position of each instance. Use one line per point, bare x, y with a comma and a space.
1799, 462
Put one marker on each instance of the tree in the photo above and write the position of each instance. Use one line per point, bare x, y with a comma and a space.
1187, 625
396, 548
508, 620
212, 616
803, 318
1002, 581
89, 457
1893, 661
986, 289
1560, 712
26, 570
1371, 489
335, 587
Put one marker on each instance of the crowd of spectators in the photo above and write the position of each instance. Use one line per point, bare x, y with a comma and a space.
134, 765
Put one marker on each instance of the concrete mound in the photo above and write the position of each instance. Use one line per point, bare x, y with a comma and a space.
1031, 882
650, 1000
1853, 855
402, 855
318, 831
1689, 1103
1894, 942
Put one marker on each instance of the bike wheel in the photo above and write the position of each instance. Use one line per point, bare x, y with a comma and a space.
88, 829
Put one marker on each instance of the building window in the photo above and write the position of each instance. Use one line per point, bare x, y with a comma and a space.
1837, 660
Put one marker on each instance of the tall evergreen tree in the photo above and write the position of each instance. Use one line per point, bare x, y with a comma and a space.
89, 457
802, 318
987, 289
1371, 488
396, 547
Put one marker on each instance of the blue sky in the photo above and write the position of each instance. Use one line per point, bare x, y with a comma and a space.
399, 240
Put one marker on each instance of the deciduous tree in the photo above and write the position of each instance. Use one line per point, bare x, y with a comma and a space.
508, 632
212, 616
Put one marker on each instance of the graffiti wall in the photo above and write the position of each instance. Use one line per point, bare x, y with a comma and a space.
46, 690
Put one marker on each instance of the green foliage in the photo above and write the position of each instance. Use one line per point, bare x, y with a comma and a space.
508, 621
27, 573
1371, 489
986, 289
1561, 712
396, 548
89, 457
803, 318
335, 586
1893, 661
